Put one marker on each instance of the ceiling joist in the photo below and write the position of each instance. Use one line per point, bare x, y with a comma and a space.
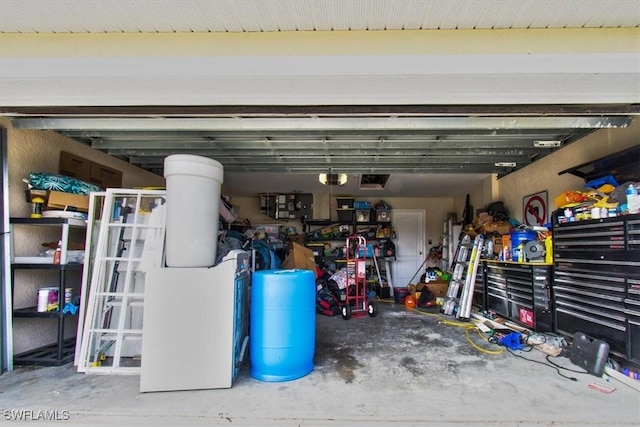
346, 142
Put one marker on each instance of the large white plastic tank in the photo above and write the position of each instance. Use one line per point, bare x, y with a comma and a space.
193, 205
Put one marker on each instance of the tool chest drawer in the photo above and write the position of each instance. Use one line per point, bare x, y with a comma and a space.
632, 310
597, 238
496, 290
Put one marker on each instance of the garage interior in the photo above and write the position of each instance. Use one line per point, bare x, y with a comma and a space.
441, 102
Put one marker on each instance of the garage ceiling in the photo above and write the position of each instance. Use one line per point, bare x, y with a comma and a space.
429, 150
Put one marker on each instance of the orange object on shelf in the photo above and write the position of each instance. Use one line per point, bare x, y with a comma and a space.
570, 197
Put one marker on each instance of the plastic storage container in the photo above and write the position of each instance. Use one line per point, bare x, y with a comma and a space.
383, 215
282, 324
400, 294
345, 202
345, 215
361, 205
193, 205
520, 238
363, 215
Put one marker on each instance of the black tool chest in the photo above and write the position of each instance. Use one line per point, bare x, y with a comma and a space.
520, 292
597, 281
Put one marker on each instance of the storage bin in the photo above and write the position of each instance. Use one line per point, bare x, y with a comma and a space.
361, 205
271, 230
345, 202
345, 215
519, 238
383, 215
363, 215
316, 248
400, 294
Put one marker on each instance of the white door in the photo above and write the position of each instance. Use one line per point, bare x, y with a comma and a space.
410, 246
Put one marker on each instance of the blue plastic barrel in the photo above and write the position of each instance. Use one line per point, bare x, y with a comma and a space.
282, 324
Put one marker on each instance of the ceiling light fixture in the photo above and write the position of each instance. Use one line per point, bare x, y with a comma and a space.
333, 178
505, 164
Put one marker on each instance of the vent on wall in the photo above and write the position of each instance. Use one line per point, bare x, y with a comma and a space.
373, 182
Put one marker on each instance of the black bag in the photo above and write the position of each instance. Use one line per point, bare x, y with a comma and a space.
498, 211
426, 296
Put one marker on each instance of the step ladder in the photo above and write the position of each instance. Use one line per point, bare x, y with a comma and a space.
464, 270
466, 297
130, 242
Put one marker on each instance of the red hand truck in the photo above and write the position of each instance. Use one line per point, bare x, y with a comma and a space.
356, 303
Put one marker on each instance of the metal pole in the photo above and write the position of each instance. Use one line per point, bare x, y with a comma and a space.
6, 322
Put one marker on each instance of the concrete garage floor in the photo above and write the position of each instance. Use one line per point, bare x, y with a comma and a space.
401, 368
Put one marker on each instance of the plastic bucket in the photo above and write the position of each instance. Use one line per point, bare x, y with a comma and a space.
193, 205
518, 238
400, 294
282, 324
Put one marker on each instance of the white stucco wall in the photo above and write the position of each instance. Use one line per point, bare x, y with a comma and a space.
543, 174
39, 151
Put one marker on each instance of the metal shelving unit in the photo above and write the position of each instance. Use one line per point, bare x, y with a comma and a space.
380, 263
61, 350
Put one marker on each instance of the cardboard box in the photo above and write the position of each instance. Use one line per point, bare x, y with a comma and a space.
59, 200
74, 166
499, 227
301, 258
437, 287
105, 176
88, 171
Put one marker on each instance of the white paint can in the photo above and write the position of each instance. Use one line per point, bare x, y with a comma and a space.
43, 299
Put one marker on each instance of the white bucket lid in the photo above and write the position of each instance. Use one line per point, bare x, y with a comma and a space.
189, 164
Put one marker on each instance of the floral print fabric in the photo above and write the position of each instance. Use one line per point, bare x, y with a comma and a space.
66, 184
